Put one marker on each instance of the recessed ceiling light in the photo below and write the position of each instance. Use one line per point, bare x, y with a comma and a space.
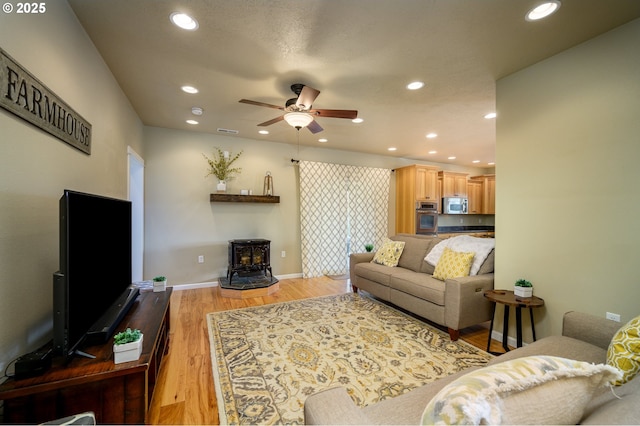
196, 111
192, 122
263, 132
415, 85
433, 152
189, 89
393, 148
543, 10
357, 120
475, 161
491, 164
323, 140
432, 135
491, 115
184, 21
451, 158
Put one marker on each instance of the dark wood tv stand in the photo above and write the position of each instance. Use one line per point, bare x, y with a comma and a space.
116, 393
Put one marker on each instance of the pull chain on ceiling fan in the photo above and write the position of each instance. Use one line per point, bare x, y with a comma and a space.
298, 111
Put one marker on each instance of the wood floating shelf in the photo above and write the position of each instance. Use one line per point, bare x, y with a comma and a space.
236, 198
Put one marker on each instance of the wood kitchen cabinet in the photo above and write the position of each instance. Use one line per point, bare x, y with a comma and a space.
413, 183
454, 184
488, 183
475, 195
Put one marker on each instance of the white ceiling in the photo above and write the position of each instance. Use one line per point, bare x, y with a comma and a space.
360, 54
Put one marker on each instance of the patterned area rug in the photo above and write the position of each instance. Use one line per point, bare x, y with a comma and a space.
268, 359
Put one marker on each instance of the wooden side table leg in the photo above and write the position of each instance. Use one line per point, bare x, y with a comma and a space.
519, 327
491, 328
533, 327
505, 329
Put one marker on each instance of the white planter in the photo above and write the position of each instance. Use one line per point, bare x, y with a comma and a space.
128, 351
523, 291
222, 186
159, 286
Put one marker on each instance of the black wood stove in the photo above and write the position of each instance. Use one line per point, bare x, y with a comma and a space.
249, 258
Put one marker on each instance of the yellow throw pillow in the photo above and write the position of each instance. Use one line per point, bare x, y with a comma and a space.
453, 264
624, 350
389, 253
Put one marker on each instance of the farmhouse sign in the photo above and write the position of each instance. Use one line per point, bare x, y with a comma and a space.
25, 96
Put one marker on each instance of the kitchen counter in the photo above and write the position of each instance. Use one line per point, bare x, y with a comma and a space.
474, 231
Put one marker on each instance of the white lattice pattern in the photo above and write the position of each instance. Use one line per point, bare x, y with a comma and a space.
342, 208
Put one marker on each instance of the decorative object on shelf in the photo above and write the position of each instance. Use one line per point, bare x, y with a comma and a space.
523, 288
159, 283
220, 167
368, 247
127, 345
267, 188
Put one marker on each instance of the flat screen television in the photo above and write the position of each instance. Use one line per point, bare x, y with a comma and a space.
92, 291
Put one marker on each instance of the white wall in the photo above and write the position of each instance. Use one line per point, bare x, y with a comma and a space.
35, 167
568, 200
181, 222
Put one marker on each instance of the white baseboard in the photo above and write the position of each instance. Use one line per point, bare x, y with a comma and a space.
179, 287
511, 341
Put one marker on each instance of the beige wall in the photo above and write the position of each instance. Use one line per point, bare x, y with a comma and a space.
35, 167
568, 201
182, 224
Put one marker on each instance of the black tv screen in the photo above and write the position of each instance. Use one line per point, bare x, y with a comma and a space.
92, 289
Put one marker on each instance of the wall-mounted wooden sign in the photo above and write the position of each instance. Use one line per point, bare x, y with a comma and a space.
25, 96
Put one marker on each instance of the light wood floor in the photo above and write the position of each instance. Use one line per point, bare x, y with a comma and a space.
185, 393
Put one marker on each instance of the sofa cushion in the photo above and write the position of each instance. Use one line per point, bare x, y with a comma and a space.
617, 406
536, 389
453, 264
389, 253
374, 272
415, 249
560, 346
487, 265
419, 285
624, 350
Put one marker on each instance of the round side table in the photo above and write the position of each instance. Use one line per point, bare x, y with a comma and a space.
508, 299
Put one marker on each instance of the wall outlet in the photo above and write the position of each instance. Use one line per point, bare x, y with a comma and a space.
201, 259
461, 220
283, 254
613, 317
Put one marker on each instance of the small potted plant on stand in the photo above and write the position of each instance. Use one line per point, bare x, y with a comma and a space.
523, 288
159, 283
368, 247
220, 167
127, 346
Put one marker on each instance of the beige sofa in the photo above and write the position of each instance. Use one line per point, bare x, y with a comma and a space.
584, 337
455, 303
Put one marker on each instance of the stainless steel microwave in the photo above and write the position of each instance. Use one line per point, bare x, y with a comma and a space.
455, 205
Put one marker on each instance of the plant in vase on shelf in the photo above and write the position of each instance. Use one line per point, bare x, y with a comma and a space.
523, 288
220, 167
127, 345
159, 283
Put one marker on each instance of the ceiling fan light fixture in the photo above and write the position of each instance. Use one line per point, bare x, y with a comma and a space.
543, 10
298, 119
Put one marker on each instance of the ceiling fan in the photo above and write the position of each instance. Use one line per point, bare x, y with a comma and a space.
298, 111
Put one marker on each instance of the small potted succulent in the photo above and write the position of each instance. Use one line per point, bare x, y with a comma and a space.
159, 283
523, 288
368, 247
127, 345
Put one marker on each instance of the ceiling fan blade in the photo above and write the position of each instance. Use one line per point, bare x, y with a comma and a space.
314, 127
256, 103
306, 97
273, 121
335, 113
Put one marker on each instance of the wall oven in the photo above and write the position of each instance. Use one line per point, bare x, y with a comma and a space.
427, 217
